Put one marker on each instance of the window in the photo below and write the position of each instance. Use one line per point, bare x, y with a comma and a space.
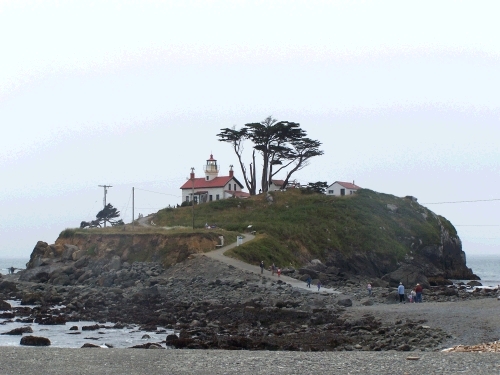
210, 198
330, 191
187, 198
207, 178
234, 187
217, 197
229, 186
195, 199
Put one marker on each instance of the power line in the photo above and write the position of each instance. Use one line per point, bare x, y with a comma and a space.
150, 208
477, 225
478, 200
157, 192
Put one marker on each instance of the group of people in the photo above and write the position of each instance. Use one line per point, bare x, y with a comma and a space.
415, 295
273, 269
277, 270
309, 281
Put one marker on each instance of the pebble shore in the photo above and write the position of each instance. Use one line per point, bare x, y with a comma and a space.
53, 361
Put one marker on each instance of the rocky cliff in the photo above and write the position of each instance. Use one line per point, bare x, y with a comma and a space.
369, 235
77, 256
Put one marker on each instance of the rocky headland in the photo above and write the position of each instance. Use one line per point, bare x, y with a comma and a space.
212, 305
162, 279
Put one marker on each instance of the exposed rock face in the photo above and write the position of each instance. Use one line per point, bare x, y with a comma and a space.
118, 248
427, 264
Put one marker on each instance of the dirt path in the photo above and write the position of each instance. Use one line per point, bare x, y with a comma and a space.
219, 255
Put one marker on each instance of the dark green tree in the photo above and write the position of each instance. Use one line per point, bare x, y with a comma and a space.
108, 214
282, 144
315, 187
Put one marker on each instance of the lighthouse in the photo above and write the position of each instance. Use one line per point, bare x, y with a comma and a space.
212, 187
211, 169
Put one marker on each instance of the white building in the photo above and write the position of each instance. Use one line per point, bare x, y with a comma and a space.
212, 187
276, 185
340, 188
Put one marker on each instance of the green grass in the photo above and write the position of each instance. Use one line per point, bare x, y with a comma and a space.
298, 227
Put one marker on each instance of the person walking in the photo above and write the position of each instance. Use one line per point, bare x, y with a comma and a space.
418, 293
308, 281
369, 288
279, 272
401, 292
261, 267
319, 285
273, 269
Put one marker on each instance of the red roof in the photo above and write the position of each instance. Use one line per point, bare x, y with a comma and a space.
347, 185
278, 182
202, 183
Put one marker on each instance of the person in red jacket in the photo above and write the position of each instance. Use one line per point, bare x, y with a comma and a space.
418, 291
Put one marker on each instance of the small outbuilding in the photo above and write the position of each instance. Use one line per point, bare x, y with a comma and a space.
340, 188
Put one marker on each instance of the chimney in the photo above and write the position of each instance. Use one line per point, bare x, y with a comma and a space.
353, 182
191, 176
231, 173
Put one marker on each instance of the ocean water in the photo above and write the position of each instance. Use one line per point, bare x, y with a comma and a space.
60, 336
486, 266
5, 263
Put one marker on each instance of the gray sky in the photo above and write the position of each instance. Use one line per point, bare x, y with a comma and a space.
403, 95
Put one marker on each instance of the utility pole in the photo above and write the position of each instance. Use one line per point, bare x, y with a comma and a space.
192, 184
104, 200
133, 218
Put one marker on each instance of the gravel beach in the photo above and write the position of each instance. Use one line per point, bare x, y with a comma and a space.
124, 361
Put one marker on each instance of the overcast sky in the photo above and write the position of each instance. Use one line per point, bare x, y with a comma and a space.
404, 97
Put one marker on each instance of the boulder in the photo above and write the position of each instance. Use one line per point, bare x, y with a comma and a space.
346, 302
149, 345
51, 320
40, 277
8, 286
106, 280
19, 331
82, 262
115, 263
408, 275
392, 207
393, 297
35, 341
63, 279
313, 274
68, 251
474, 283
4, 305
171, 338
367, 301
89, 345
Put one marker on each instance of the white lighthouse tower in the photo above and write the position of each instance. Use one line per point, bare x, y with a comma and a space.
211, 169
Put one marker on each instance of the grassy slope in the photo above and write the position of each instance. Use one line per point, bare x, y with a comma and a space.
298, 227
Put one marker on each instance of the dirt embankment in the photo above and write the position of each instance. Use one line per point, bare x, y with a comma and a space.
165, 249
